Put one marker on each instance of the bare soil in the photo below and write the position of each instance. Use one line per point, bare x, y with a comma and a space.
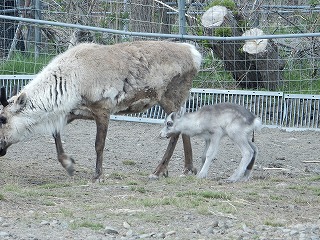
38, 200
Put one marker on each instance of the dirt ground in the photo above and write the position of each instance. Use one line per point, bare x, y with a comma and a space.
39, 200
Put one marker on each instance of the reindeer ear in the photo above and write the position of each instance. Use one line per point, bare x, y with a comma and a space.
181, 112
21, 100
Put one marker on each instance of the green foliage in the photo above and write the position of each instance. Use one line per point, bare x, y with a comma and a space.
313, 3
230, 4
223, 32
23, 64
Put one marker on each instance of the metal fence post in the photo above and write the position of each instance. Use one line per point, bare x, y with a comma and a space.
182, 18
37, 30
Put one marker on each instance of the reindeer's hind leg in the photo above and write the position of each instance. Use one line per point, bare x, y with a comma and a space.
247, 173
248, 154
66, 161
102, 128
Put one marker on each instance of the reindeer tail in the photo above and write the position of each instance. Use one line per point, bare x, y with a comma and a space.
257, 126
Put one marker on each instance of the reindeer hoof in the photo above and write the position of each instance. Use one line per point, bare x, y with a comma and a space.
188, 171
97, 178
166, 173
70, 170
153, 177
68, 163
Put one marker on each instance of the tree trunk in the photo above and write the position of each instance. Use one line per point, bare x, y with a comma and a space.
263, 53
149, 16
7, 27
219, 21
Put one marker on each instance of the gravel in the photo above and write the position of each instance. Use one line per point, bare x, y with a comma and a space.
281, 201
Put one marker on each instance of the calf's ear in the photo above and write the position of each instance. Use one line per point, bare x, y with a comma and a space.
21, 100
181, 112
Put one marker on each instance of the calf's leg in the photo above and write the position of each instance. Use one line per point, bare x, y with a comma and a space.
211, 152
248, 154
247, 172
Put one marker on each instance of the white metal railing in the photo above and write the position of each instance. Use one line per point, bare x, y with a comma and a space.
276, 109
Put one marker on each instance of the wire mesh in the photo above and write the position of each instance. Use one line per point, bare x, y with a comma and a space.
292, 67
288, 65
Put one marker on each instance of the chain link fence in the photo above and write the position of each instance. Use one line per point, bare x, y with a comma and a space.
255, 45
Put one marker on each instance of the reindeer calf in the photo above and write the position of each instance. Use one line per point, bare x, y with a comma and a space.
212, 123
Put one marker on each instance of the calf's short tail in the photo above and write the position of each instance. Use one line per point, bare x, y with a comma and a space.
257, 125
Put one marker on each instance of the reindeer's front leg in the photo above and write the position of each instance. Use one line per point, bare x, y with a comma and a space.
162, 168
188, 163
102, 128
66, 161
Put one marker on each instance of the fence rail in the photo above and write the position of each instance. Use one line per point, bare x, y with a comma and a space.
276, 109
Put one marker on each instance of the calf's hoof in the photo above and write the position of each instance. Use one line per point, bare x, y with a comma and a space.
153, 177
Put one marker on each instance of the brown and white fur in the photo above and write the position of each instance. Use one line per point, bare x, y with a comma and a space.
212, 122
91, 81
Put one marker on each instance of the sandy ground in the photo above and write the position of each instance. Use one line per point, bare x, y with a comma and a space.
284, 188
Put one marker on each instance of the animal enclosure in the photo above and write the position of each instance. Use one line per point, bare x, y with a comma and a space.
288, 64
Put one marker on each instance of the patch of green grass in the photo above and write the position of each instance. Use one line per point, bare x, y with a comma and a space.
225, 207
153, 202
48, 203
276, 198
23, 64
12, 188
87, 224
55, 185
315, 190
118, 176
204, 210
138, 189
315, 178
273, 223
66, 212
206, 194
132, 183
128, 162
2, 197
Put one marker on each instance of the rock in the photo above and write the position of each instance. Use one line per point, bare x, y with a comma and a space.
4, 234
147, 235
44, 223
170, 233
129, 233
126, 225
110, 230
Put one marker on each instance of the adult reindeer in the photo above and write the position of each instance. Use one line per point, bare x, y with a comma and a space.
91, 81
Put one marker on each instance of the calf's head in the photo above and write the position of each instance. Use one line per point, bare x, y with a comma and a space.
170, 123
9, 123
